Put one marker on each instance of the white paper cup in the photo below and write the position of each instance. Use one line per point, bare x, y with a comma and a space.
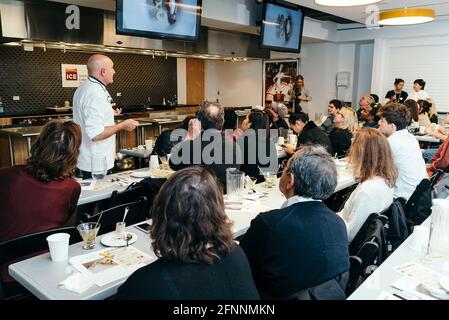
58, 244
149, 144
281, 141
154, 162
292, 138
420, 237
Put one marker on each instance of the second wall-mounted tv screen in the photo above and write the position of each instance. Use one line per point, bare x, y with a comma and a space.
281, 27
162, 19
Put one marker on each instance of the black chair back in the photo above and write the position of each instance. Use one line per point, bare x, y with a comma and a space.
396, 227
147, 187
109, 217
333, 289
24, 247
418, 207
367, 250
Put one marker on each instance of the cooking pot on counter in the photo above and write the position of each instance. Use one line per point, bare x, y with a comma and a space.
122, 162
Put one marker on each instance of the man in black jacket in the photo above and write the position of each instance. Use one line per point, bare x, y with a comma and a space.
303, 244
308, 133
205, 144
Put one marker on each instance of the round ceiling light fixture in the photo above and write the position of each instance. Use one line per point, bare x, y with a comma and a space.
406, 16
345, 3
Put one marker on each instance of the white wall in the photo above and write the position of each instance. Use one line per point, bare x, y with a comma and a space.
181, 76
239, 83
347, 63
319, 65
363, 72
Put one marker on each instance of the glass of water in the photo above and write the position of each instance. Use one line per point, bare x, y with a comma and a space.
99, 167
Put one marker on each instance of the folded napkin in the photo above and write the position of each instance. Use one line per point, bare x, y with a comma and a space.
77, 282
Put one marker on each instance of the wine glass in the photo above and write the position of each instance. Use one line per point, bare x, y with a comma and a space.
99, 167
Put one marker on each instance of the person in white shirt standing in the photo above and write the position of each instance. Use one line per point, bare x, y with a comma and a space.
92, 110
407, 155
418, 90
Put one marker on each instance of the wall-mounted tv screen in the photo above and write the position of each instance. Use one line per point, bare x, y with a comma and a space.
281, 27
162, 19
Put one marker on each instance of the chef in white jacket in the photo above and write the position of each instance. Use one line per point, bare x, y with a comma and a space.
92, 110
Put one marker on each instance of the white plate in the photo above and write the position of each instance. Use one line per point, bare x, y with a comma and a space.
141, 174
110, 240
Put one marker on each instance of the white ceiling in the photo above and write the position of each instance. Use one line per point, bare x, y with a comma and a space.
441, 8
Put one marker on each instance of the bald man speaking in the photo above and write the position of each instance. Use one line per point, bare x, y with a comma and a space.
92, 110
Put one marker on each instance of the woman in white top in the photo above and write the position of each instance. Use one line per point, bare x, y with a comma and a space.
418, 90
374, 168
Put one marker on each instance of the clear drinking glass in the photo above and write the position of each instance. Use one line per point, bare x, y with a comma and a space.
270, 179
99, 167
164, 162
250, 183
88, 232
234, 183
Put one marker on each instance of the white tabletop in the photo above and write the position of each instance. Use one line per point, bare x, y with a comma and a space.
41, 276
427, 138
384, 276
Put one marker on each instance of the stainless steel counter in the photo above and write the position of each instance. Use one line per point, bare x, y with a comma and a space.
21, 132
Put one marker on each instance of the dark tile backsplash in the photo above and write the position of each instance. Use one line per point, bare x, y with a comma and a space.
36, 77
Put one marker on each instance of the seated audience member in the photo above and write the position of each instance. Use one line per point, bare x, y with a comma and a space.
206, 144
439, 159
192, 237
332, 109
163, 144
304, 243
375, 98
374, 169
426, 115
345, 125
230, 124
41, 195
365, 102
255, 139
279, 113
369, 117
407, 155
230, 119
429, 153
418, 90
397, 95
308, 133
413, 111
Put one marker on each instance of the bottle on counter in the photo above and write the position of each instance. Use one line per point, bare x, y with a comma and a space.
1, 106
163, 101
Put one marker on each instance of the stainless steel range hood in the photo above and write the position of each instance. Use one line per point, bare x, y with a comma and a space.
213, 44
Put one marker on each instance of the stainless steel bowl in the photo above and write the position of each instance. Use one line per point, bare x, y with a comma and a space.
120, 156
125, 164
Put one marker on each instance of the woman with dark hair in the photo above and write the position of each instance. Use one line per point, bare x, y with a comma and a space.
375, 171
424, 117
397, 95
418, 90
192, 236
41, 195
332, 109
256, 145
426, 113
301, 95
